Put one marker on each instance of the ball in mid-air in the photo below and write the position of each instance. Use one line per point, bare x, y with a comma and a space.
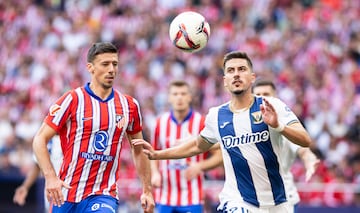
189, 31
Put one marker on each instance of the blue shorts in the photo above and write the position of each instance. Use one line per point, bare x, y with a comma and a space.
92, 204
179, 209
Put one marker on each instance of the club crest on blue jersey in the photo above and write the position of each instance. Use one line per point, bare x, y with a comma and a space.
101, 141
257, 117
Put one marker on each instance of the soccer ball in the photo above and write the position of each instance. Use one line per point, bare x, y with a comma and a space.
189, 31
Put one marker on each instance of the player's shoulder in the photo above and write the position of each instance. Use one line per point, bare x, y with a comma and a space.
213, 111
164, 115
130, 99
273, 100
197, 113
216, 108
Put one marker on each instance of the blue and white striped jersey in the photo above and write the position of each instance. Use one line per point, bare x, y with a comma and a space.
251, 151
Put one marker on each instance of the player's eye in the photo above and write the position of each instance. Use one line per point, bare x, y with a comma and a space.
230, 70
243, 68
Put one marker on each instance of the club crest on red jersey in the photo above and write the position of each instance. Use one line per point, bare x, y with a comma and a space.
120, 121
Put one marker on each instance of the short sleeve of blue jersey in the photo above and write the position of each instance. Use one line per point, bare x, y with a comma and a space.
210, 129
285, 114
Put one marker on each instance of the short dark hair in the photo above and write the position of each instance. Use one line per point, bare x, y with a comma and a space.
264, 82
237, 54
178, 83
100, 48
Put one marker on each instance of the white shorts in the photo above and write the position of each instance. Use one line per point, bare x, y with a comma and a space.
243, 207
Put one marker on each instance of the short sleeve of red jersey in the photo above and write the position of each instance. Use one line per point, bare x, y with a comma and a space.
135, 119
60, 111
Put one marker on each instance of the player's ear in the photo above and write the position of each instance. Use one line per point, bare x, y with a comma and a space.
90, 67
253, 77
225, 84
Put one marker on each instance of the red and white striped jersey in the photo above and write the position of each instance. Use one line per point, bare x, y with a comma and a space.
91, 131
175, 189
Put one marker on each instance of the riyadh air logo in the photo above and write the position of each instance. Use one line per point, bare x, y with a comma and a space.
54, 109
120, 121
101, 141
257, 117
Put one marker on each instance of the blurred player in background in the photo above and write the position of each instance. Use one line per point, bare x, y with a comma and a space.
250, 130
56, 158
290, 150
92, 122
179, 182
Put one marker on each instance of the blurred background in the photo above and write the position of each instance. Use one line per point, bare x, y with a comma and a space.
309, 48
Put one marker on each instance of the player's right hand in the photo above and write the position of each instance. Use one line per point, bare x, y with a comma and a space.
147, 148
53, 188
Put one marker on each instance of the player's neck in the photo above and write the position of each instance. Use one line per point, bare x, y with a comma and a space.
100, 91
241, 103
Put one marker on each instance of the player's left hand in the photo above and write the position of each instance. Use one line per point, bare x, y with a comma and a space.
269, 114
147, 202
310, 167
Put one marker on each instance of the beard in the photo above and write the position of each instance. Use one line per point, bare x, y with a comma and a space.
238, 92
107, 85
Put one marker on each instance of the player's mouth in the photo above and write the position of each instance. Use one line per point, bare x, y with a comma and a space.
237, 82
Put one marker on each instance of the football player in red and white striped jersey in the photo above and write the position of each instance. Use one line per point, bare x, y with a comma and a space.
92, 122
175, 192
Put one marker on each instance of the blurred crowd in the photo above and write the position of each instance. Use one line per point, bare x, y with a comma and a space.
309, 48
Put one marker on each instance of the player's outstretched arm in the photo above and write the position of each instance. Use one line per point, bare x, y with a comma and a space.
187, 149
21, 191
310, 161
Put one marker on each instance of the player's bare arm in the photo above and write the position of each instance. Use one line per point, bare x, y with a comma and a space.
142, 165
187, 149
53, 184
295, 132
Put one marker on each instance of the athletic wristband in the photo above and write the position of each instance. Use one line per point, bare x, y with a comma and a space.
280, 127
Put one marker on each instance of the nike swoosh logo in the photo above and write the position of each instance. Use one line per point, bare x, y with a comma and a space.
224, 124
86, 119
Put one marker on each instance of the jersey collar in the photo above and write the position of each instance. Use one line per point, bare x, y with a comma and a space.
188, 116
88, 90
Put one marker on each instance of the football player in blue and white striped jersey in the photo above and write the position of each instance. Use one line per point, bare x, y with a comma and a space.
250, 130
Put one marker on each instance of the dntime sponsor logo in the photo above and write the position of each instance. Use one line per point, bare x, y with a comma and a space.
234, 141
